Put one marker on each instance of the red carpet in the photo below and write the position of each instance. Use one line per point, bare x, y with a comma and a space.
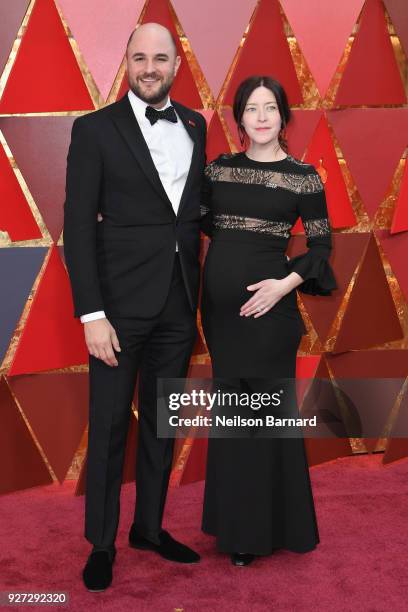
360, 563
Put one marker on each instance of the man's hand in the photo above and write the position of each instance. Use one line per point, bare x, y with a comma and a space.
101, 339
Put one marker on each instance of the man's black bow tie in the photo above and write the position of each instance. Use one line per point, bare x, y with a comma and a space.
154, 115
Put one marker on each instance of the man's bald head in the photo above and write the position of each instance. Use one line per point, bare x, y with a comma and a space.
152, 62
153, 29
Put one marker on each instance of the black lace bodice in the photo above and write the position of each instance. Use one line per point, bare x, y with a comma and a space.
265, 199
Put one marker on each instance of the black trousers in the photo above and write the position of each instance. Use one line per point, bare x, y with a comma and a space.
155, 348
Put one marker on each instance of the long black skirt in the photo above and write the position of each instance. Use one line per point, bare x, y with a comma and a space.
258, 494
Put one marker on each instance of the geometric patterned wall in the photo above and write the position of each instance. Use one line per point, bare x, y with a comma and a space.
344, 66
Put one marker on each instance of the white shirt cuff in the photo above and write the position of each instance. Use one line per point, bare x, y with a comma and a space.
93, 316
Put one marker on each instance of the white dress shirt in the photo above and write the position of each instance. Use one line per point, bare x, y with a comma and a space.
171, 148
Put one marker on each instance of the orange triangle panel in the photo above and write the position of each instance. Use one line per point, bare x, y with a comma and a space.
397, 448
81, 482
371, 75
305, 370
56, 406
33, 142
52, 338
400, 218
217, 142
12, 15
322, 155
300, 130
322, 449
373, 141
347, 252
266, 52
199, 347
370, 318
389, 364
319, 26
207, 114
397, 10
232, 126
45, 76
21, 461
16, 217
396, 248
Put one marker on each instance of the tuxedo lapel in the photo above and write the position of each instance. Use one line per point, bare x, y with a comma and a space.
125, 121
127, 125
192, 130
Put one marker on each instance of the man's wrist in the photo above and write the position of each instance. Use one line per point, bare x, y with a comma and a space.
93, 316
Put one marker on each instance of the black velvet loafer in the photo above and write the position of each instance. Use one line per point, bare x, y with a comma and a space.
241, 559
97, 573
168, 548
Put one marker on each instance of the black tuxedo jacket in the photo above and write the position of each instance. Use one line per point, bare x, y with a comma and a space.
123, 264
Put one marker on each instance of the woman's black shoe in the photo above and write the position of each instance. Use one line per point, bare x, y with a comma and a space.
97, 573
241, 559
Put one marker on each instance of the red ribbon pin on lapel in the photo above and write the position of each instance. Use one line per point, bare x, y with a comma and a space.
191, 123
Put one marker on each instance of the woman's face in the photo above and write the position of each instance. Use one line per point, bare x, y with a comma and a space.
261, 118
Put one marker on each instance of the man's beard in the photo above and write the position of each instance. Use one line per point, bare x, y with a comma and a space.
155, 98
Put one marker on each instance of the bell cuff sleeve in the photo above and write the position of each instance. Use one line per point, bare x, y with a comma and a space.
313, 266
317, 272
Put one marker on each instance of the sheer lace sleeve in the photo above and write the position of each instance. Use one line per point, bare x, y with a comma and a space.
313, 266
205, 202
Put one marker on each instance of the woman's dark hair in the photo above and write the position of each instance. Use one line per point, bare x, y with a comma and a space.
242, 95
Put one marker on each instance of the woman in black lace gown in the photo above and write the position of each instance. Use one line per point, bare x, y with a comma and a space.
258, 495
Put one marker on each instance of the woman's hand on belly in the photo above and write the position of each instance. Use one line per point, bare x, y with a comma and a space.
267, 293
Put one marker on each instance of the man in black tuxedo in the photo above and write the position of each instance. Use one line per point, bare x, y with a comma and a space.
136, 164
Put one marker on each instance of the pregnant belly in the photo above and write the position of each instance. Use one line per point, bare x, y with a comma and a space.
229, 268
